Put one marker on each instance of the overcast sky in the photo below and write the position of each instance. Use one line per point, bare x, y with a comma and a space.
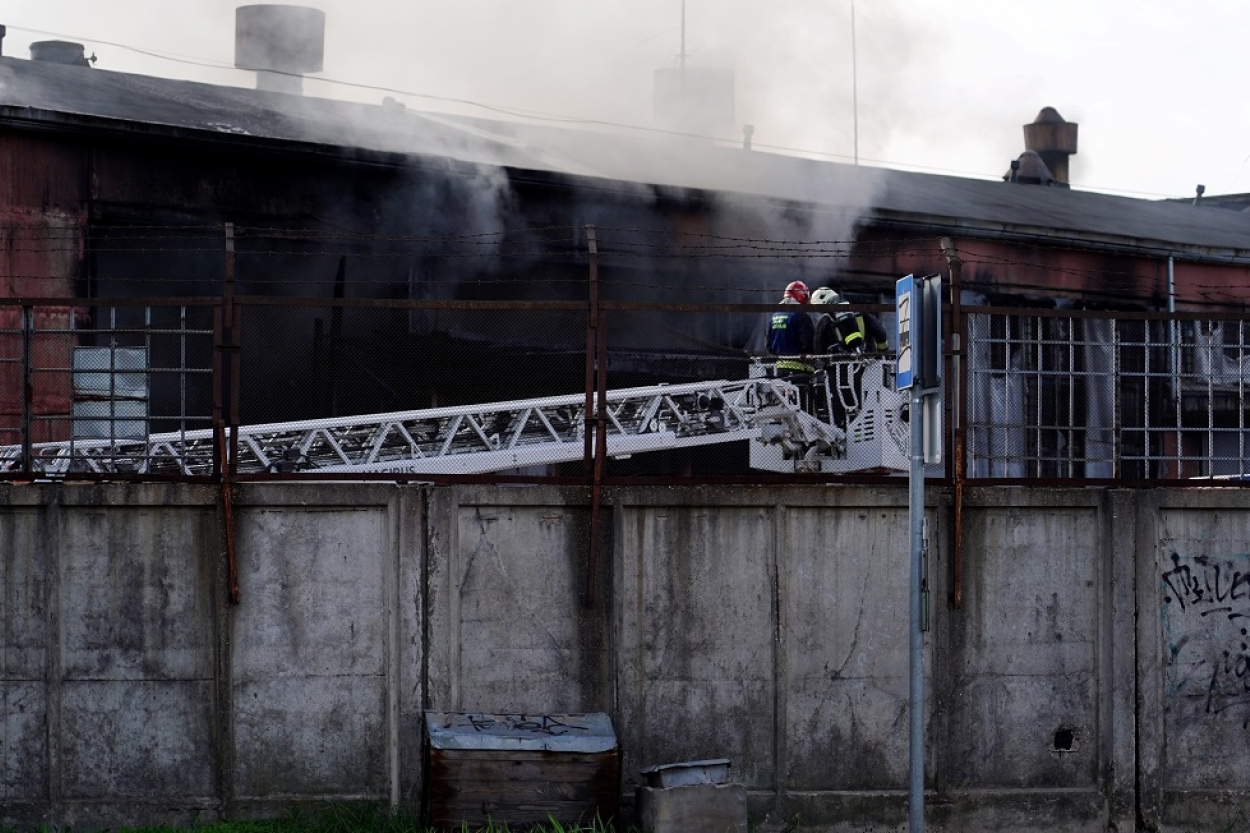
941, 85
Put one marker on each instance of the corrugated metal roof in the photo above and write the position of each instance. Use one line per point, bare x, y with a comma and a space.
41, 91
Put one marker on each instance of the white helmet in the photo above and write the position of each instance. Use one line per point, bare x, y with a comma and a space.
825, 295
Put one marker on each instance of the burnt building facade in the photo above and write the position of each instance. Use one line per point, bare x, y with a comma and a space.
128, 187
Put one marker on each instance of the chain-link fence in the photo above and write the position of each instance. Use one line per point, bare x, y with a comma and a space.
543, 390
508, 356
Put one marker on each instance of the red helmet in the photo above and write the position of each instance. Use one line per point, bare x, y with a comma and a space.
796, 291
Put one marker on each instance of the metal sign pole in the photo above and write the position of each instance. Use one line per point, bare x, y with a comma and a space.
917, 336
915, 665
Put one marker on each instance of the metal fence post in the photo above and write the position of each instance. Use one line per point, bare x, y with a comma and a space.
28, 388
959, 405
595, 437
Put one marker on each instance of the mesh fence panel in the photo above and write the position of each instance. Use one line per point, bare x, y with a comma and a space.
114, 389
1105, 397
689, 391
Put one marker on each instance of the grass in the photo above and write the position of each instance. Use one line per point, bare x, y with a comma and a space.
357, 818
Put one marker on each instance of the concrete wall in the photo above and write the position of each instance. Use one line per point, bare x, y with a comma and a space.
1096, 671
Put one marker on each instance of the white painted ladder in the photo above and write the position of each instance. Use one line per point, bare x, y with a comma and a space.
493, 437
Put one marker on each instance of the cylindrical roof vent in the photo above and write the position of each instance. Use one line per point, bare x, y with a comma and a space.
280, 43
59, 52
1053, 139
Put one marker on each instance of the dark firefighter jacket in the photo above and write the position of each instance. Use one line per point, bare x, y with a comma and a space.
852, 332
790, 334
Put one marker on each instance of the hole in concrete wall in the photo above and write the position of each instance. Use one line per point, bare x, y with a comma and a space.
1063, 740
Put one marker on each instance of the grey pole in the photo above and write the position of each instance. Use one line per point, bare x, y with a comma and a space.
915, 703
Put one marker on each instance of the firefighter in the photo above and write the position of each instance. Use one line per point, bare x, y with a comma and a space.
790, 332
846, 331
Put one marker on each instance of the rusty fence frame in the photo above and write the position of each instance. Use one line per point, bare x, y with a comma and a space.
66, 335
229, 315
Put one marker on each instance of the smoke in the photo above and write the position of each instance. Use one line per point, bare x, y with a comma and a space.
574, 83
940, 84
567, 58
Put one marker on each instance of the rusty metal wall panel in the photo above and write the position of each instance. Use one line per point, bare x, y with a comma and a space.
51, 346
41, 251
42, 239
42, 174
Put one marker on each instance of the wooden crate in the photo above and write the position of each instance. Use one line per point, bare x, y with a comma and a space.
509, 778
519, 788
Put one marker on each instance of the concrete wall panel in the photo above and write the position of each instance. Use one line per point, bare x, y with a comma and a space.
311, 736
137, 740
1025, 731
309, 647
845, 595
23, 742
1025, 650
509, 629
697, 636
407, 664
25, 579
1203, 564
312, 583
1093, 675
519, 644
26, 566
847, 734
136, 599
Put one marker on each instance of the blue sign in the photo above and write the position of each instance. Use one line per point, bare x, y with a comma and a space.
905, 368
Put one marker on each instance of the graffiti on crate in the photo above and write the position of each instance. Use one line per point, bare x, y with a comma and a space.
1206, 630
545, 724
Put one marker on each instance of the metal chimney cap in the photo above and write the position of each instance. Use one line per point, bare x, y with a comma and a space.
60, 52
1049, 133
1048, 114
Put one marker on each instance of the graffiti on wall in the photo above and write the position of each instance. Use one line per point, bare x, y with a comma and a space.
1206, 630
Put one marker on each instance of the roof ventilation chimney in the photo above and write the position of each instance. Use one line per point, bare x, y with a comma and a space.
60, 52
281, 43
1054, 140
1029, 169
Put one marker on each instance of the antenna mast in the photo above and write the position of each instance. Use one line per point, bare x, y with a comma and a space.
854, 83
683, 34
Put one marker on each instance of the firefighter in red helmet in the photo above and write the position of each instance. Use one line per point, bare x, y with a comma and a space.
790, 332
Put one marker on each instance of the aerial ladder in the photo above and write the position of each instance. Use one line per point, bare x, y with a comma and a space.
844, 418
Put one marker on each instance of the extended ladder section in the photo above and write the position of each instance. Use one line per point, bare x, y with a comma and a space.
792, 425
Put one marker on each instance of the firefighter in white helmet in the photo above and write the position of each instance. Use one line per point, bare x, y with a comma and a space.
842, 330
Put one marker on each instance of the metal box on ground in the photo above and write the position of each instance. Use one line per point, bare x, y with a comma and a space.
707, 808
520, 769
713, 771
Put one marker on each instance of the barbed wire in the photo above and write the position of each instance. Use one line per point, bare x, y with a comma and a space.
575, 232
109, 239
616, 244
1119, 288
